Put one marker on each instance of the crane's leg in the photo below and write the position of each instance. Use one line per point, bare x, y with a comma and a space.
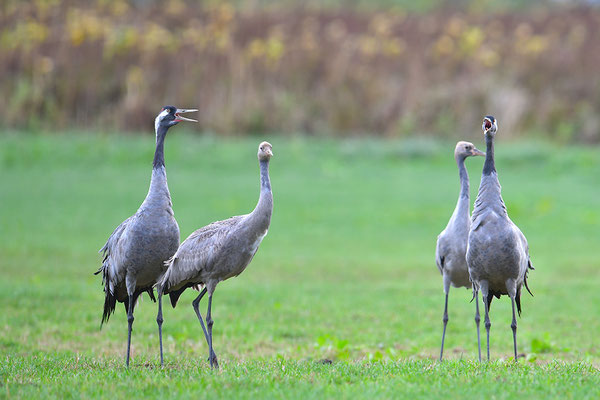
130, 325
477, 319
209, 321
483, 286
445, 317
511, 288
159, 321
445, 320
195, 304
513, 325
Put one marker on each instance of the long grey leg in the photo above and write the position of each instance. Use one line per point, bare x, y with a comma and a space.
195, 304
483, 286
445, 320
209, 322
488, 324
513, 325
477, 319
159, 321
130, 325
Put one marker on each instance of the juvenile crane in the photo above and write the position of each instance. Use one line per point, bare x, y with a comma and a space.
452, 242
497, 251
135, 253
218, 252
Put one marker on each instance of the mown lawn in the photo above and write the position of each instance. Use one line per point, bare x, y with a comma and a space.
346, 273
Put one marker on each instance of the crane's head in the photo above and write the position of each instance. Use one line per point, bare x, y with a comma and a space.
490, 125
265, 151
170, 116
466, 149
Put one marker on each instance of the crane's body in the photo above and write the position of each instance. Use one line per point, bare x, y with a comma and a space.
497, 251
218, 251
451, 244
135, 253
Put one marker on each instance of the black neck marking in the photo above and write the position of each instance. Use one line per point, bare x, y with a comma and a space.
159, 153
489, 166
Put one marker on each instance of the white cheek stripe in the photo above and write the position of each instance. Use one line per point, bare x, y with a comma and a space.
160, 116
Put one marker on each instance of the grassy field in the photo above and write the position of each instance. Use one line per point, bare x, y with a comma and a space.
346, 273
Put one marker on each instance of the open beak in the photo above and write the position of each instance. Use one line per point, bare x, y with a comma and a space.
477, 152
179, 118
487, 124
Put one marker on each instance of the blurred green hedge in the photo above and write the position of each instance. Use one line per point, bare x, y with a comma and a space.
340, 71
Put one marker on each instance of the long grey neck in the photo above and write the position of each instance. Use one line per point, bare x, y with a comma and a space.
490, 191
158, 197
463, 204
261, 215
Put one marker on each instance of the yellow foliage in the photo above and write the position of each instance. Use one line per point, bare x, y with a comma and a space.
194, 35
42, 7
380, 25
25, 35
121, 40
135, 77
369, 46
84, 25
471, 40
256, 48
275, 48
394, 46
444, 46
536, 45
156, 37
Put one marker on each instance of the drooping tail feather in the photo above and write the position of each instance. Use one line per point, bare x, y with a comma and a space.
518, 301
110, 300
174, 296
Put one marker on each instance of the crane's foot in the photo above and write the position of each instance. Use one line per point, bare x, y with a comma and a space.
213, 361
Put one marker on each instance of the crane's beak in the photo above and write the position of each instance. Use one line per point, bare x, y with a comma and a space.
179, 118
477, 152
487, 124
270, 152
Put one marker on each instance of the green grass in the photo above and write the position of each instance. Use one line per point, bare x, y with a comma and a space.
346, 272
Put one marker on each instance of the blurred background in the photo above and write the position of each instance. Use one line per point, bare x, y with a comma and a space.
391, 68
363, 102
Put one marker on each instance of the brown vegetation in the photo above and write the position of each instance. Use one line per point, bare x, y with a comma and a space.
109, 63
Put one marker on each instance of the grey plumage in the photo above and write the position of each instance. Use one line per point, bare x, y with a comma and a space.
452, 241
135, 252
218, 252
497, 251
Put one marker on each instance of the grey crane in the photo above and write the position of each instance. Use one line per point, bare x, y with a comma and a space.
135, 252
452, 241
218, 252
497, 251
